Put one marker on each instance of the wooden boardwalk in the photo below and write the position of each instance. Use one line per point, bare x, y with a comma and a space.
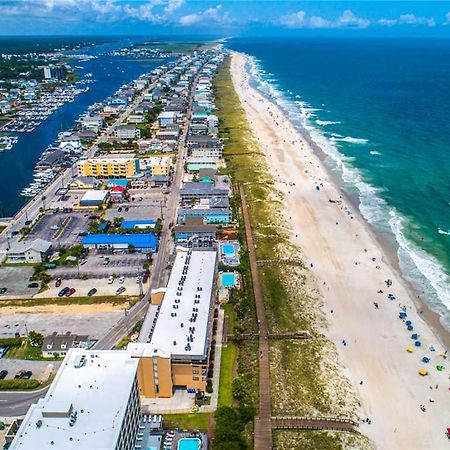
314, 423
263, 423
272, 336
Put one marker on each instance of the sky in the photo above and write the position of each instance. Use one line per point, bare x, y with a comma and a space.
224, 18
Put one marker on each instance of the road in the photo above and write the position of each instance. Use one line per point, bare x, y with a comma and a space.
13, 404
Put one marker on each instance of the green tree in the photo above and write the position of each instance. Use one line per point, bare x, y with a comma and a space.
35, 339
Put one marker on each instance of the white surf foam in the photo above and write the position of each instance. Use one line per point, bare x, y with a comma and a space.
421, 268
375, 153
324, 123
440, 231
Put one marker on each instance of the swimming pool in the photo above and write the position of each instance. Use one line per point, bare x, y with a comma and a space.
189, 444
228, 279
228, 250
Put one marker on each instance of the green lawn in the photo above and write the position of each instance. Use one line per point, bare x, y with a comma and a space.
25, 351
226, 375
191, 422
229, 313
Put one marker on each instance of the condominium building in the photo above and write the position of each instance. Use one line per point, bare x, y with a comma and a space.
93, 403
117, 167
178, 352
157, 166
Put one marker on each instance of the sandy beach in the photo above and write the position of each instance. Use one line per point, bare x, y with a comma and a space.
352, 269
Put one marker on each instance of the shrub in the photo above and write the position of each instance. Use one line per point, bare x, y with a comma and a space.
19, 384
10, 342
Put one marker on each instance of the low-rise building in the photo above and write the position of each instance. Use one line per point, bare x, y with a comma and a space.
157, 165
127, 132
93, 403
195, 233
94, 198
58, 345
29, 252
144, 242
166, 118
92, 123
193, 191
208, 215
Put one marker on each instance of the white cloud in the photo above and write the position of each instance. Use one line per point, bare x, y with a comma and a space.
98, 10
408, 19
210, 15
411, 19
300, 19
447, 19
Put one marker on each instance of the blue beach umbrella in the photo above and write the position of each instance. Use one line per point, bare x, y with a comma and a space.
417, 343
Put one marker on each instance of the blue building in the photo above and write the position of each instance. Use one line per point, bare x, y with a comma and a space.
145, 242
209, 215
137, 224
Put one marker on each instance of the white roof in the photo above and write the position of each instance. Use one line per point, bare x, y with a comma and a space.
166, 115
38, 245
98, 391
169, 337
92, 195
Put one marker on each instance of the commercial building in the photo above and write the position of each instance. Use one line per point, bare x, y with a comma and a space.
93, 198
145, 242
177, 355
192, 191
117, 167
29, 252
93, 403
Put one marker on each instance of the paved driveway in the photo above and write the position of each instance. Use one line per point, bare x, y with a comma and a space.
41, 369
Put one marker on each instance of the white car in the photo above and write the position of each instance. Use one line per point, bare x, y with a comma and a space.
111, 280
121, 280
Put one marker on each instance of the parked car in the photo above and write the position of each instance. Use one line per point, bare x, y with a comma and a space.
27, 375
63, 291
145, 277
119, 209
3, 290
70, 292
121, 279
34, 284
106, 261
3, 374
15, 233
19, 374
58, 282
83, 262
92, 292
138, 279
94, 217
3, 351
111, 280
120, 290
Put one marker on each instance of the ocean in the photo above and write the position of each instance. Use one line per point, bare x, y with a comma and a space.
379, 110
17, 165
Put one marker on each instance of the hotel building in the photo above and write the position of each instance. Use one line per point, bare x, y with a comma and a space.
120, 167
178, 351
93, 403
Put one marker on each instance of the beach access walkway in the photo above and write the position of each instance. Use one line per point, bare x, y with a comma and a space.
263, 423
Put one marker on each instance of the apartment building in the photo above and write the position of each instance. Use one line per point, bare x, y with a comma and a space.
178, 351
93, 403
115, 167
157, 165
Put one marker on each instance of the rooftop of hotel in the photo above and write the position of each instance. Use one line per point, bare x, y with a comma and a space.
97, 389
185, 310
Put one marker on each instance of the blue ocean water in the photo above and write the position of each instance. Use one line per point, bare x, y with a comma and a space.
17, 165
379, 109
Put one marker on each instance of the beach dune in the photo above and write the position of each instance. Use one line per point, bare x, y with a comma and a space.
351, 268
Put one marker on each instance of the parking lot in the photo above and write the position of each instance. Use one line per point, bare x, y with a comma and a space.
94, 324
82, 287
127, 264
149, 208
41, 370
15, 280
48, 228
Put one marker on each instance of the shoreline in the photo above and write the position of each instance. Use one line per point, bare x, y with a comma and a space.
387, 243
350, 284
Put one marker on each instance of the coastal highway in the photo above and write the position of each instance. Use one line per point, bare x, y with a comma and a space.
31, 210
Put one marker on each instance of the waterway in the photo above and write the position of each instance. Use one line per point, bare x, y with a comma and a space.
17, 165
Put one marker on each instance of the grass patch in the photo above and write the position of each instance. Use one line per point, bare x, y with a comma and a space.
63, 301
190, 422
25, 351
226, 375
